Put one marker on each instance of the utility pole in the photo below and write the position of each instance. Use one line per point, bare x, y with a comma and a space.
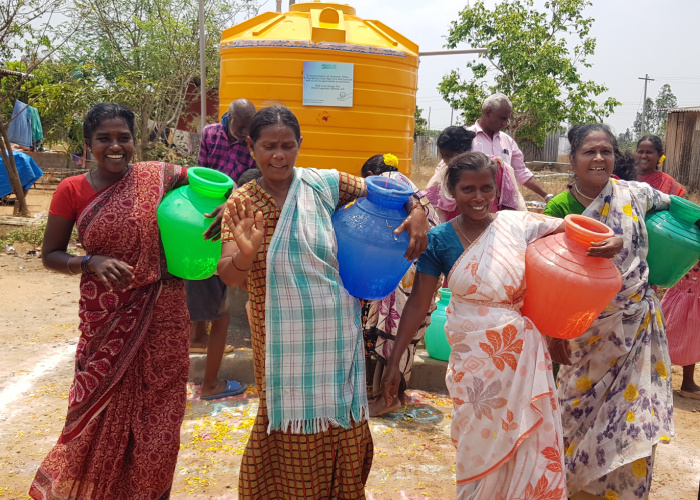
202, 68
429, 109
644, 104
452, 114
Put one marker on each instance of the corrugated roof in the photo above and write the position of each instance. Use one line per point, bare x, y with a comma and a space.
694, 109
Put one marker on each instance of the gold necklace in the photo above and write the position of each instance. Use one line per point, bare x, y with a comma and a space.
459, 228
579, 192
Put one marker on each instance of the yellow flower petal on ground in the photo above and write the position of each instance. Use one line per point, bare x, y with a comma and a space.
630, 416
584, 383
631, 393
611, 495
639, 468
665, 439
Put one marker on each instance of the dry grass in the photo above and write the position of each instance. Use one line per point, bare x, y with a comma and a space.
422, 172
552, 182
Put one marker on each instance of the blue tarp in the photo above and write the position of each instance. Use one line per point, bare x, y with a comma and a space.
29, 172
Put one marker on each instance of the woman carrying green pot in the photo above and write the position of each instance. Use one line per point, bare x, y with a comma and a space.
614, 387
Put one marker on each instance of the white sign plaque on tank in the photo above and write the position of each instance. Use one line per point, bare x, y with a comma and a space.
328, 84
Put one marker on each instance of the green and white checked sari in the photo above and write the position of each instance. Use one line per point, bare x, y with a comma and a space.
314, 358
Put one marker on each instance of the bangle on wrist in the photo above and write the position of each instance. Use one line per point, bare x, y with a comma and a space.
68, 264
233, 263
84, 264
548, 197
418, 205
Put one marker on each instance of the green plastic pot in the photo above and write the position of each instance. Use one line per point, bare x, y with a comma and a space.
182, 223
674, 242
435, 339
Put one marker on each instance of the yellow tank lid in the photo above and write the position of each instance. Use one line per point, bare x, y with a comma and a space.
317, 22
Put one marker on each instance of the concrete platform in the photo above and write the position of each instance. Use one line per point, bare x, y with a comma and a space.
427, 374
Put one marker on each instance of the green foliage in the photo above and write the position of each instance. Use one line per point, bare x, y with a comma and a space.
421, 124
33, 234
158, 151
531, 59
146, 52
656, 114
626, 141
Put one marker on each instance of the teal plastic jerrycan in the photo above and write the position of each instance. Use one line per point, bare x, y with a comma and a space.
674, 242
435, 339
182, 223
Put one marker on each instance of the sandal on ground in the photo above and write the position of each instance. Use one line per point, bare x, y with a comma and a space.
689, 395
233, 388
203, 350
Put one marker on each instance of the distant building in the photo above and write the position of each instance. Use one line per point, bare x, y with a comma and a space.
683, 146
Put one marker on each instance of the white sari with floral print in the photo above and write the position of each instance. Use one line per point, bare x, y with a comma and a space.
506, 423
616, 399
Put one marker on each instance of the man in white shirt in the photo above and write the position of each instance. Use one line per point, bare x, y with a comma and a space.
495, 113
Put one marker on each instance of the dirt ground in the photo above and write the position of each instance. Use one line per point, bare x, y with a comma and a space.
413, 455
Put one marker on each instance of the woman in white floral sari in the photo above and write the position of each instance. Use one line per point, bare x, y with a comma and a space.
506, 424
616, 396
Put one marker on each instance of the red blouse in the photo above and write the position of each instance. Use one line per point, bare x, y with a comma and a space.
71, 196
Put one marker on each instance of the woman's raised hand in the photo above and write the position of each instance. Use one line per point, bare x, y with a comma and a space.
246, 227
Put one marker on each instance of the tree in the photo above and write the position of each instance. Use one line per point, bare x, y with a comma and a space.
626, 141
23, 32
420, 124
146, 52
656, 114
530, 59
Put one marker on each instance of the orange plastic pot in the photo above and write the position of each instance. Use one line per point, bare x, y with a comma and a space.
566, 289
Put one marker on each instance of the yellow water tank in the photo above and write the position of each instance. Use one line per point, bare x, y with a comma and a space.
351, 82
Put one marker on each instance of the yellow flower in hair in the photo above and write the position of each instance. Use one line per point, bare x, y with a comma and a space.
661, 160
391, 160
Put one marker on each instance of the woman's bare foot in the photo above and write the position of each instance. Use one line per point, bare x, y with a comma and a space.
378, 407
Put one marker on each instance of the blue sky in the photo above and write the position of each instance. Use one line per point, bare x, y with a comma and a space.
634, 37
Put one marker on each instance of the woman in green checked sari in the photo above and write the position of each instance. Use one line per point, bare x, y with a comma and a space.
310, 439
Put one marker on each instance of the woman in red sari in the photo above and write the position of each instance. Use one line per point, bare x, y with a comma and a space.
127, 399
650, 156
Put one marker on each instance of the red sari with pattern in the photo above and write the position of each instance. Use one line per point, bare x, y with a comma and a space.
663, 182
127, 401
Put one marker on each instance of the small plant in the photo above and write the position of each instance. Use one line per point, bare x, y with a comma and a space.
34, 235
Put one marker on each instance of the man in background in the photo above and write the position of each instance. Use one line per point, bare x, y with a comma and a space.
490, 140
223, 148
